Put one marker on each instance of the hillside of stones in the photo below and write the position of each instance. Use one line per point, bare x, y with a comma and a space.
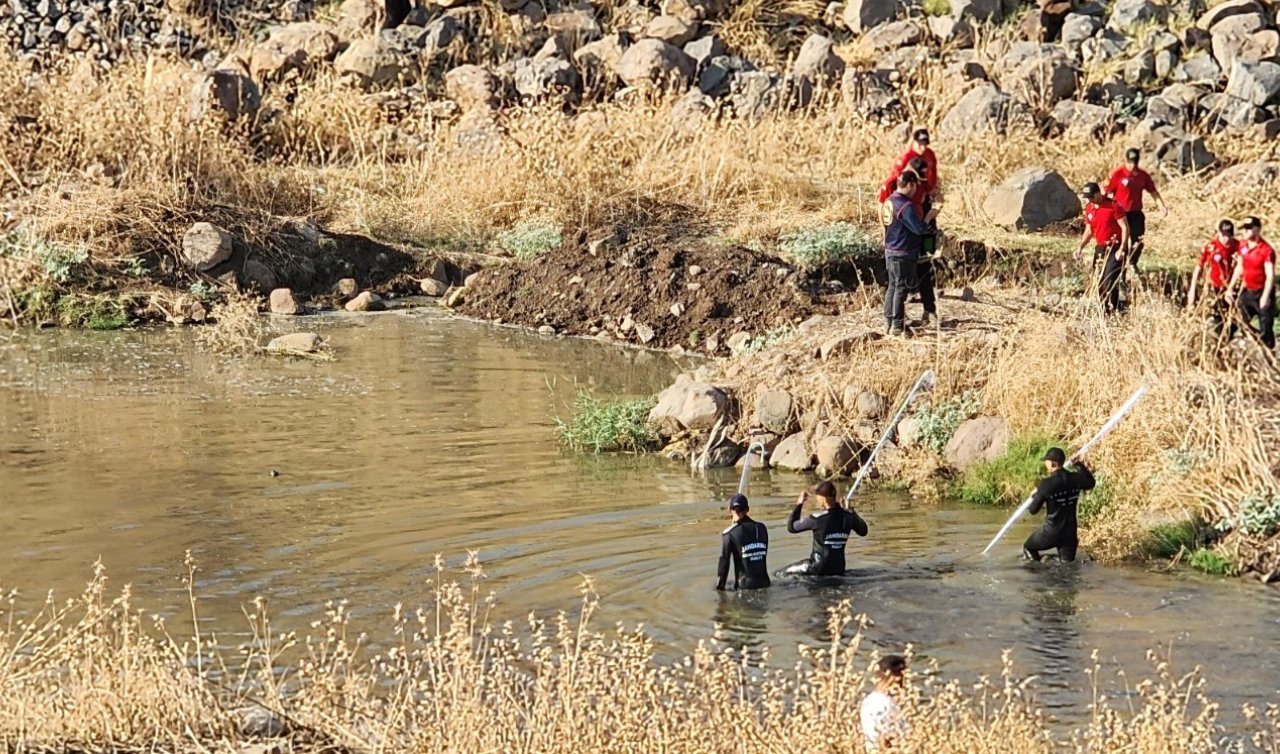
1166, 72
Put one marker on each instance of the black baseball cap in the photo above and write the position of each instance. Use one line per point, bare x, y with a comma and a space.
892, 665
1090, 190
921, 136
907, 178
824, 489
1251, 222
1056, 456
739, 503
1227, 228
1131, 155
919, 164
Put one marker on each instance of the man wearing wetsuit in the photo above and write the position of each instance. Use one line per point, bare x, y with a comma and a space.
747, 543
1059, 493
830, 527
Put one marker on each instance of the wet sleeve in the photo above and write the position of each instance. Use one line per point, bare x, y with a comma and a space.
859, 525
911, 218
726, 552
795, 525
1084, 477
1043, 492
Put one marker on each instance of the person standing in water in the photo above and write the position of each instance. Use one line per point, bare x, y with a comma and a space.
831, 528
746, 542
880, 714
1059, 493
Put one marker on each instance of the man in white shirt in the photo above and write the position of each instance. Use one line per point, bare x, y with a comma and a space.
882, 721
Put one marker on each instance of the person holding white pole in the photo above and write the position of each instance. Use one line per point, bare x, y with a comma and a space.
1059, 493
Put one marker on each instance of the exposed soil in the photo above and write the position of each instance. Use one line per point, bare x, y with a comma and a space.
625, 292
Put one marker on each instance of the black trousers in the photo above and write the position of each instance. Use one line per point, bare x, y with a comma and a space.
1137, 220
1251, 306
1112, 277
902, 280
925, 285
397, 11
1047, 539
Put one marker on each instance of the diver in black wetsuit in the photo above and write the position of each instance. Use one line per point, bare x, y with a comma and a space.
747, 542
830, 529
1059, 492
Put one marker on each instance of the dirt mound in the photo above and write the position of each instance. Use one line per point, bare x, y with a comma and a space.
655, 294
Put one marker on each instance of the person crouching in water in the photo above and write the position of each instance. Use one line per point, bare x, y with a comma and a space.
830, 527
746, 542
1059, 493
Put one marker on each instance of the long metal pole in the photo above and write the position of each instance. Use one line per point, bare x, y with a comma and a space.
746, 466
925, 382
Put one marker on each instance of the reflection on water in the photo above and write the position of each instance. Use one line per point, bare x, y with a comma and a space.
430, 435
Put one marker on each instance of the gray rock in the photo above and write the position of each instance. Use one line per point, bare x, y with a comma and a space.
1166, 61
229, 93
1201, 69
654, 63
1140, 70
1245, 36
256, 721
1255, 83
837, 456
687, 404
861, 15
365, 302
1107, 45
1226, 10
1077, 28
1043, 79
1246, 177
374, 62
205, 246
575, 26
346, 288
1225, 111
792, 454
433, 287
1126, 14
1031, 199
910, 432
756, 94
1266, 131
538, 79
262, 724
894, 36
258, 275
688, 114
956, 32
982, 111
724, 455
775, 411
870, 405
284, 302
983, 439
703, 49
293, 47
817, 60
471, 86
1173, 148
671, 29
1082, 120
1178, 104
978, 11
603, 54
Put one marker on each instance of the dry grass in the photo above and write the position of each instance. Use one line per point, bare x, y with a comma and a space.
93, 674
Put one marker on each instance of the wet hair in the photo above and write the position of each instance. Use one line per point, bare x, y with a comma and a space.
891, 665
907, 179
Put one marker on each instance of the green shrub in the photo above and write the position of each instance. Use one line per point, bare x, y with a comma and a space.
1008, 479
937, 8
1212, 562
1257, 516
830, 244
939, 421
1096, 502
530, 239
103, 312
768, 339
607, 426
1167, 540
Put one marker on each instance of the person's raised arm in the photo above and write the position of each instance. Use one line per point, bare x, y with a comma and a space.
859, 525
1084, 477
794, 523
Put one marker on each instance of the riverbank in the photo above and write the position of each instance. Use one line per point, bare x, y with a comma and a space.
444, 677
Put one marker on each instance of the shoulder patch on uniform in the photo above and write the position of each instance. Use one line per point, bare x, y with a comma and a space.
728, 528
820, 514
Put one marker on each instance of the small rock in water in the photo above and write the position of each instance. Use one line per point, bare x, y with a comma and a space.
298, 342
284, 302
347, 288
257, 721
366, 302
433, 287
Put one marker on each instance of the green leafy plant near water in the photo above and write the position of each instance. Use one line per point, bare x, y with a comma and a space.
830, 244
1212, 562
939, 420
530, 239
769, 339
101, 312
599, 426
1008, 479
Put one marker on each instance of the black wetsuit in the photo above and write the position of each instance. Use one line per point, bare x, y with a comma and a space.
747, 542
1059, 493
830, 533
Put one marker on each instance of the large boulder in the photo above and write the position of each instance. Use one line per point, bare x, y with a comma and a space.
984, 110
983, 439
671, 29
298, 342
574, 27
1242, 38
775, 411
471, 86
205, 246
603, 54
977, 11
1127, 14
1255, 83
1079, 27
1200, 69
687, 404
1222, 111
230, 93
708, 47
375, 62
1082, 120
910, 432
1222, 11
894, 36
837, 455
1177, 104
549, 77
1031, 199
654, 63
793, 454
756, 94
367, 301
1043, 78
1173, 148
283, 301
817, 60
1246, 178
293, 47
861, 15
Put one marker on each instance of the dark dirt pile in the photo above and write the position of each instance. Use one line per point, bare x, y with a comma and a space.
659, 295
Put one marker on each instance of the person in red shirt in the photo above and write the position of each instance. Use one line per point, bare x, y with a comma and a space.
1126, 185
919, 148
1105, 225
1256, 272
1218, 257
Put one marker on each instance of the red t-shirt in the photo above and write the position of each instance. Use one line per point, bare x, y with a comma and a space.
923, 189
1253, 263
1219, 259
1127, 187
904, 163
1103, 217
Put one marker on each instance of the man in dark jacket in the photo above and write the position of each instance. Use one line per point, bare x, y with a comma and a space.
904, 231
830, 527
1059, 493
746, 542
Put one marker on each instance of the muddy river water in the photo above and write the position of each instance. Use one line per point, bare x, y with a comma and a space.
431, 435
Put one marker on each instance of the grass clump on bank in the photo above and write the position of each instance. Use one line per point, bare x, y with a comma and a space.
836, 243
939, 420
599, 426
1213, 562
530, 239
1008, 479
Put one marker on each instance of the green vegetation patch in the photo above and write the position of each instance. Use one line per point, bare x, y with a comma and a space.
607, 426
103, 312
937, 8
1212, 562
939, 420
1167, 540
530, 239
1257, 516
831, 244
1008, 479
769, 339
1096, 503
